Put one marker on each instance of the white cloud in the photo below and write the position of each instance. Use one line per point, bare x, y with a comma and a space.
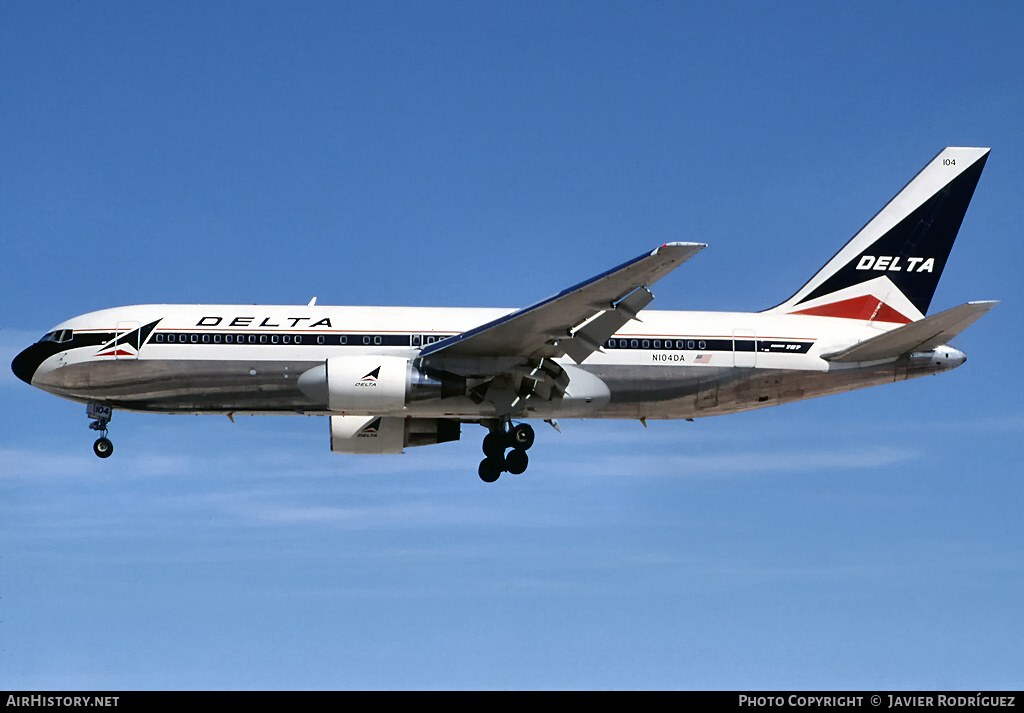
389, 516
732, 463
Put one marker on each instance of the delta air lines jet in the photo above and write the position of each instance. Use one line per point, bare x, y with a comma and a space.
395, 377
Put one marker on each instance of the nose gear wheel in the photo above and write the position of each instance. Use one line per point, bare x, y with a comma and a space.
101, 416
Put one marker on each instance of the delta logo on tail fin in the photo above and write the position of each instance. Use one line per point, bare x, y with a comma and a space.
889, 270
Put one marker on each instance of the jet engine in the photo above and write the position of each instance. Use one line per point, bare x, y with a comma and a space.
373, 435
376, 384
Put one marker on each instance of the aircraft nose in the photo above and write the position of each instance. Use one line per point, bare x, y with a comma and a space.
26, 363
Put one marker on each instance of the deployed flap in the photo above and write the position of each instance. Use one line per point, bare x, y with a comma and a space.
543, 329
921, 335
588, 339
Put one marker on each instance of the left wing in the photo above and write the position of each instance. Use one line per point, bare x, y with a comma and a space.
922, 335
577, 320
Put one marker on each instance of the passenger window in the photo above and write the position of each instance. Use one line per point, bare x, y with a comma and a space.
206, 339
376, 340
646, 344
298, 339
657, 344
366, 340
702, 344
216, 339
689, 344
320, 339
273, 339
344, 340
263, 339
633, 343
287, 339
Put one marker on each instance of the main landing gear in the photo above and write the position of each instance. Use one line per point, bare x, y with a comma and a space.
101, 417
502, 437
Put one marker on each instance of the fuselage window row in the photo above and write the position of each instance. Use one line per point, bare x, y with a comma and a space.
405, 340
714, 345
720, 344
387, 340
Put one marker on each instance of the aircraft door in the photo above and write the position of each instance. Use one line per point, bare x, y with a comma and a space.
126, 340
744, 348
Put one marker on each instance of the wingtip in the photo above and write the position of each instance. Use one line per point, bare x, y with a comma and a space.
680, 246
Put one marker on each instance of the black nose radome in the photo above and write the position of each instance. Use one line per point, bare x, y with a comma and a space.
25, 364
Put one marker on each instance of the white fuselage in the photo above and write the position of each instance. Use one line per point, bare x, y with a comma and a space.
247, 359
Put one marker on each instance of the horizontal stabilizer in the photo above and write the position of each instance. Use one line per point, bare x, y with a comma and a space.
921, 335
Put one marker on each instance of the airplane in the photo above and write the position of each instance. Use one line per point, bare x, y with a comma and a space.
390, 378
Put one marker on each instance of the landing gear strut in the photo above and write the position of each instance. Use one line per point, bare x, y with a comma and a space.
101, 417
502, 437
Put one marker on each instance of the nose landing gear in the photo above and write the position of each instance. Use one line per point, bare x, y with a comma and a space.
502, 437
101, 416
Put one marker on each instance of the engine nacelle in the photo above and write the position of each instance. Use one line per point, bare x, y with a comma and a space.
376, 384
376, 435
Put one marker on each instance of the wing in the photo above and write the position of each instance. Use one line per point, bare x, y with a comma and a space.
577, 320
921, 335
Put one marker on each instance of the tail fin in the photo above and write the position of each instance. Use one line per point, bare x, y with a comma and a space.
889, 270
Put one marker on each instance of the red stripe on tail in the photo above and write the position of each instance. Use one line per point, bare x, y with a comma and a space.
864, 308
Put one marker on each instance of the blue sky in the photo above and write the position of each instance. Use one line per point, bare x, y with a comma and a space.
491, 154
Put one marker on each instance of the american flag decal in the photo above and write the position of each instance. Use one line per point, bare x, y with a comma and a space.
702, 359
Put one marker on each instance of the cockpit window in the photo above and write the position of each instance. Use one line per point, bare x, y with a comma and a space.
58, 335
